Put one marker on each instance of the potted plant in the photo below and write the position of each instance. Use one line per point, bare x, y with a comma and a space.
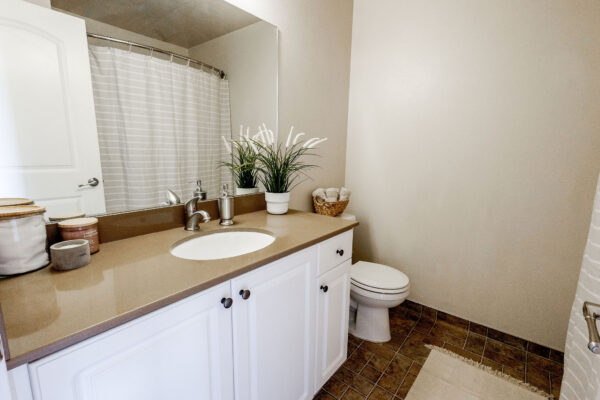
280, 166
242, 165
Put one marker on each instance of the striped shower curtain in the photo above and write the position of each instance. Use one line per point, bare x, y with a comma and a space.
159, 127
581, 379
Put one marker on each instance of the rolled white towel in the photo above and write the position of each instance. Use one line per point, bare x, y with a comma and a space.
332, 194
319, 195
345, 194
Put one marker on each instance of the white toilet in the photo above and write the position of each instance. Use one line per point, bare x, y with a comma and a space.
375, 288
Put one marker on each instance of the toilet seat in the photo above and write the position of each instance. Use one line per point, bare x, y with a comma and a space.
378, 278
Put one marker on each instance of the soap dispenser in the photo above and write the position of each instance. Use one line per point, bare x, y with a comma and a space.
226, 207
198, 192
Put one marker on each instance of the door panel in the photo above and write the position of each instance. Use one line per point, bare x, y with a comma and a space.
332, 321
273, 330
47, 121
183, 351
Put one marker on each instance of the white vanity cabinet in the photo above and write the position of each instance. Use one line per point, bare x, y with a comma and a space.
182, 351
4, 388
273, 329
274, 333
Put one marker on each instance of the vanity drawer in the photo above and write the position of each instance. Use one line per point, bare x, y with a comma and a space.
334, 251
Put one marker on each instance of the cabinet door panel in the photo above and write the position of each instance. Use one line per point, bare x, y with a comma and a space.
332, 321
183, 351
273, 330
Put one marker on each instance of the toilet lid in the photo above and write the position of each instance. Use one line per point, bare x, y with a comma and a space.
378, 276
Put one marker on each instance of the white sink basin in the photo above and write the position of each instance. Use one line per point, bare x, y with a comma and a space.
214, 246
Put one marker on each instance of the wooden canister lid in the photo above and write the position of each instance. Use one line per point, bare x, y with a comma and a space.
14, 201
58, 217
78, 222
20, 211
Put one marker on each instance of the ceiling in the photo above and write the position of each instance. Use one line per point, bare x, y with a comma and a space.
185, 23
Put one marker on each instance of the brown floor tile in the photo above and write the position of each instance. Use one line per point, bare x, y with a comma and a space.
380, 394
396, 341
399, 366
507, 339
357, 361
360, 384
354, 340
557, 356
517, 374
538, 349
475, 343
447, 334
389, 382
335, 387
505, 355
492, 364
352, 394
414, 347
478, 329
555, 382
378, 363
415, 368
424, 325
378, 348
411, 305
463, 353
402, 323
452, 320
351, 348
545, 364
370, 373
406, 385
429, 313
322, 395
538, 378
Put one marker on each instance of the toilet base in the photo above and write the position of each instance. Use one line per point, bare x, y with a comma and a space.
372, 324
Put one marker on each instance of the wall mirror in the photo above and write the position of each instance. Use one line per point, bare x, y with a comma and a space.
169, 79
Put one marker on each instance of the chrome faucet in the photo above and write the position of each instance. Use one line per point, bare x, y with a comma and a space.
193, 215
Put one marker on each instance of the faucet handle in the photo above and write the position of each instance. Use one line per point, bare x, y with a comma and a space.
191, 205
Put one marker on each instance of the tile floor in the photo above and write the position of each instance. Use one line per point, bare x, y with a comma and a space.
387, 371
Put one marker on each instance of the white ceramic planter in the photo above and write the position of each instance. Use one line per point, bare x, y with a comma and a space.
242, 191
277, 203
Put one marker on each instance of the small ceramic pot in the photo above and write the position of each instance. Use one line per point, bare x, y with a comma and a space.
242, 191
277, 203
70, 254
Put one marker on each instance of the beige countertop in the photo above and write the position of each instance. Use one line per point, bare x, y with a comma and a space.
47, 310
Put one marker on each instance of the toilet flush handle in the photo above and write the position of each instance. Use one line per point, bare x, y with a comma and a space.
340, 252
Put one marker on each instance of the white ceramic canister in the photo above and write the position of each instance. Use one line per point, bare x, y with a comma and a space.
22, 239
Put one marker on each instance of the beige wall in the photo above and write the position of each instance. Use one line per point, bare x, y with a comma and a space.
314, 61
249, 57
473, 152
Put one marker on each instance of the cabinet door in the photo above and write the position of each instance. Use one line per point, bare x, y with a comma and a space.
332, 321
183, 351
273, 330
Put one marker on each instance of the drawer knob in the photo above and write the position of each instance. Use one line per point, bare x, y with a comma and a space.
324, 288
227, 302
245, 294
340, 252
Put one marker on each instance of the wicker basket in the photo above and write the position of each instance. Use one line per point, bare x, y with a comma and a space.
331, 208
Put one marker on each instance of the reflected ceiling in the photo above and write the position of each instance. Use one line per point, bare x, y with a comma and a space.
185, 23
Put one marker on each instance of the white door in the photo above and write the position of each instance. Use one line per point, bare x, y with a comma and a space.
332, 321
273, 329
4, 386
581, 378
48, 137
182, 352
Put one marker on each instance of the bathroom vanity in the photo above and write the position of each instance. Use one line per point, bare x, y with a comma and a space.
140, 323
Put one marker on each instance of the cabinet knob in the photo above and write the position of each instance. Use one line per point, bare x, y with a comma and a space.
227, 302
340, 252
324, 288
245, 294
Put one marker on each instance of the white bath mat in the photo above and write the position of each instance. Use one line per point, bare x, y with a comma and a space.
449, 376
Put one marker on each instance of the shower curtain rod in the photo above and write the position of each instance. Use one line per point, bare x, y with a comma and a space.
219, 72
